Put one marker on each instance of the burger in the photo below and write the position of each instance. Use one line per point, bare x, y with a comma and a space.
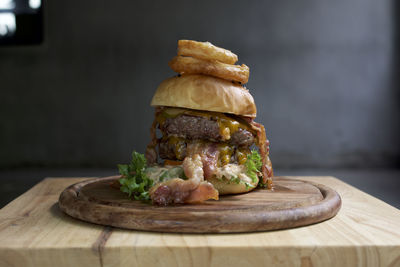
204, 140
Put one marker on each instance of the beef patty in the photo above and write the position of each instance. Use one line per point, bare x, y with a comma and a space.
178, 149
193, 128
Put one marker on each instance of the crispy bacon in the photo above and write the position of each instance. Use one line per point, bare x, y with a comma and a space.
263, 145
193, 190
204, 191
209, 155
151, 152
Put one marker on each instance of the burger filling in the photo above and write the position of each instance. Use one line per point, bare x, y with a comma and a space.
220, 138
221, 141
176, 148
185, 132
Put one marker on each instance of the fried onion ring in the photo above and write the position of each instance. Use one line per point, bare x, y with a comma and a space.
190, 65
206, 51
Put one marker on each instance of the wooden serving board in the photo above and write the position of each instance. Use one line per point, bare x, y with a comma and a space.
292, 203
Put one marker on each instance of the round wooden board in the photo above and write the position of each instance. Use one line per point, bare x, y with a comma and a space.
292, 203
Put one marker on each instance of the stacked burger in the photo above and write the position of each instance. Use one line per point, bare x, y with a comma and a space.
204, 139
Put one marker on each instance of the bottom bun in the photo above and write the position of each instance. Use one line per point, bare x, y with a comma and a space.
225, 186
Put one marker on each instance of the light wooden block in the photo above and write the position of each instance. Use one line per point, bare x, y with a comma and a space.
34, 232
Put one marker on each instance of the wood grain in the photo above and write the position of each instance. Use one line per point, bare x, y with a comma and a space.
34, 232
292, 203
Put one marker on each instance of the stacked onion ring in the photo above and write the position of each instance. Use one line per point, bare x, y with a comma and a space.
205, 58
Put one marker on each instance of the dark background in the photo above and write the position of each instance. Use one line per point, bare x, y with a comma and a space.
324, 75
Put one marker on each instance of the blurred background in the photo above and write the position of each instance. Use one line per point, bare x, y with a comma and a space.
77, 77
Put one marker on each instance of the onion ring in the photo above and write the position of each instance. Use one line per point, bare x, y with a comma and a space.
206, 51
190, 65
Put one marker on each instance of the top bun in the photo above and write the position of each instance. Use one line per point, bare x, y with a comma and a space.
204, 92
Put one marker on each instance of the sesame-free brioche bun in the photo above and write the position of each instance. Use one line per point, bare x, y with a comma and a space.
202, 92
224, 187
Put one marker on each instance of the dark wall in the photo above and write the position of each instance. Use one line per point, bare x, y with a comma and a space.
323, 73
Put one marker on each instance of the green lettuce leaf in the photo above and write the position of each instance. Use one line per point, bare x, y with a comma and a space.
134, 180
253, 165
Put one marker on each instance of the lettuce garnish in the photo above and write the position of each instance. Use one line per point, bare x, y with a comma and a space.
134, 180
253, 165
173, 173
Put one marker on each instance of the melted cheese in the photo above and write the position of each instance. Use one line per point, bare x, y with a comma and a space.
225, 154
179, 146
241, 154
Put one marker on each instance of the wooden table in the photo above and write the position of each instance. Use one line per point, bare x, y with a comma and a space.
34, 232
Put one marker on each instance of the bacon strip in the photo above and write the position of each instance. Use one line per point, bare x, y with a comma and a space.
263, 144
209, 154
151, 152
193, 190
